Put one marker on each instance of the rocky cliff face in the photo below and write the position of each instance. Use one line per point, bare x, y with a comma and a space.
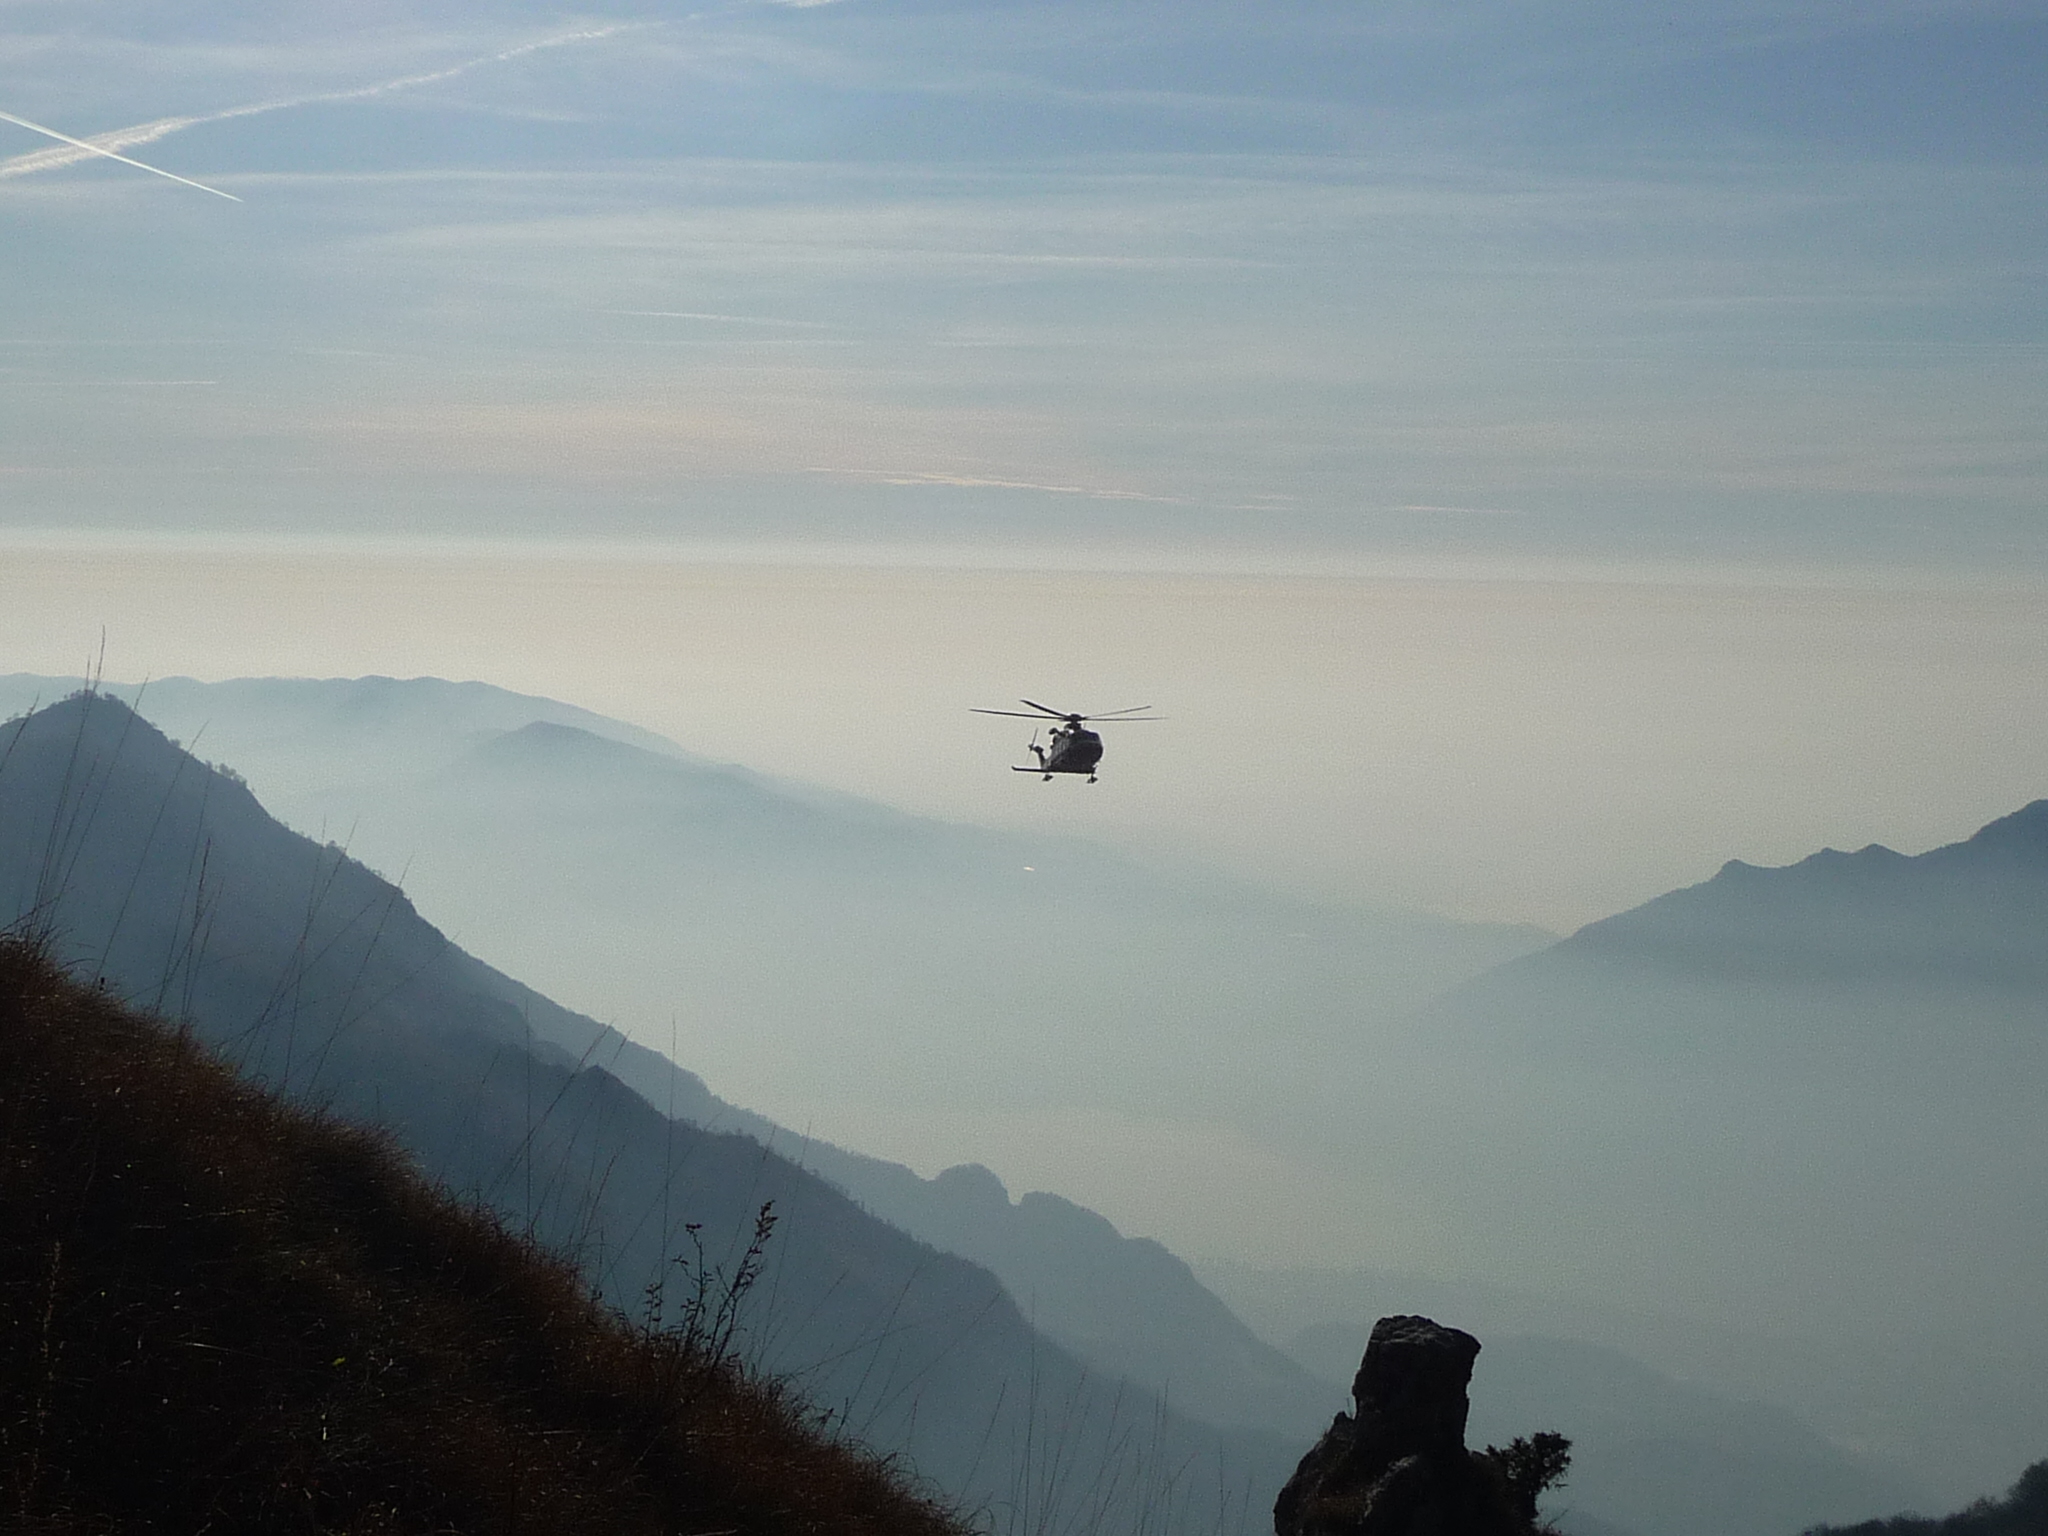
1397, 1465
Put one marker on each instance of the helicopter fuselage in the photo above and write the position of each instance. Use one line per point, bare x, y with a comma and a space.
1074, 749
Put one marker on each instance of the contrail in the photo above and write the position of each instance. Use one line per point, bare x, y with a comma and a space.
94, 149
120, 138
149, 133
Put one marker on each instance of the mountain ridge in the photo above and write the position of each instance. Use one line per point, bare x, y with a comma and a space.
1818, 1086
1211, 1366
348, 997
1073, 1018
1968, 912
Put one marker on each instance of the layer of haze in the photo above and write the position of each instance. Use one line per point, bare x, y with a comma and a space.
1544, 750
1766, 1161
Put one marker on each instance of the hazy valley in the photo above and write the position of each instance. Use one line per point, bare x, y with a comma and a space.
1690, 1417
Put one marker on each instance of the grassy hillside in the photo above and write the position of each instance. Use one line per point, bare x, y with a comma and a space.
225, 1313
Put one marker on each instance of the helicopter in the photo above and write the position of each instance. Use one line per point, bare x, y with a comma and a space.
1073, 748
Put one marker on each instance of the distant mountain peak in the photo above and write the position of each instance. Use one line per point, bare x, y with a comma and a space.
1970, 911
552, 736
2024, 831
971, 1184
1870, 858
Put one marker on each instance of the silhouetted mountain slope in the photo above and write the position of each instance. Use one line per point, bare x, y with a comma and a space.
288, 734
1125, 1305
1973, 915
168, 880
228, 1315
2022, 1512
1918, 977
870, 954
653, 860
808, 947
1801, 1102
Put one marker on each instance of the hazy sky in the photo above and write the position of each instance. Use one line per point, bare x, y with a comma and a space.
1737, 307
1542, 749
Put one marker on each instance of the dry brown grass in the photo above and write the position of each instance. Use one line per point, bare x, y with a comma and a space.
224, 1314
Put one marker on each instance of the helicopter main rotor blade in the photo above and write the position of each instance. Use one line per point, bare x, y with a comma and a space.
1120, 716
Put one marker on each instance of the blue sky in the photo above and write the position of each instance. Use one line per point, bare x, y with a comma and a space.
1738, 282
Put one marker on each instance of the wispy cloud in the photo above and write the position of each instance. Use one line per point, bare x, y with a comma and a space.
112, 143
100, 383
988, 483
1461, 510
693, 314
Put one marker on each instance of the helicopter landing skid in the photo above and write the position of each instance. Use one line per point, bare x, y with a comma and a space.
1047, 776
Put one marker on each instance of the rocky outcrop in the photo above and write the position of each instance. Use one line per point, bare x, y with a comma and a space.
1397, 1465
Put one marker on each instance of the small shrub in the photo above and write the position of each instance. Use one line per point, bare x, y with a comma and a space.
1530, 1466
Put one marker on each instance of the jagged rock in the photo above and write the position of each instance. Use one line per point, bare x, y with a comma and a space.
1398, 1466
